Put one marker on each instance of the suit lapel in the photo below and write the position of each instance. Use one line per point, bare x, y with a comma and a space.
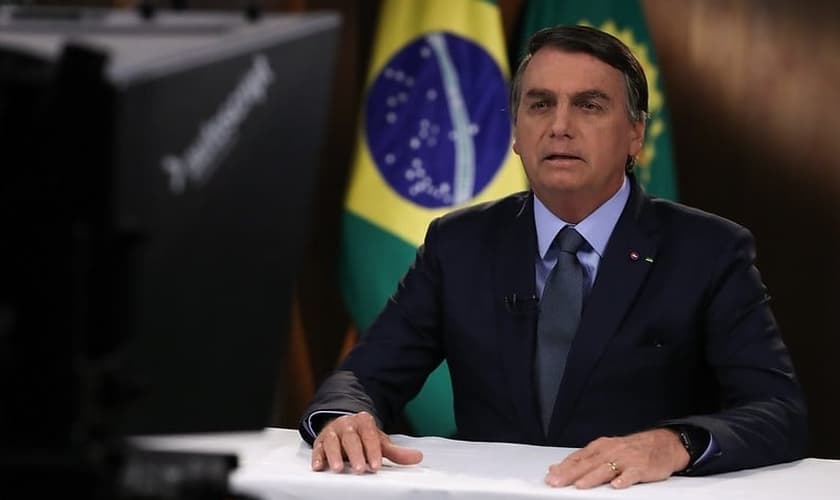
515, 288
621, 273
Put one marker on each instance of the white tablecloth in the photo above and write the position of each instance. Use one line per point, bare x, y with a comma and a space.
275, 464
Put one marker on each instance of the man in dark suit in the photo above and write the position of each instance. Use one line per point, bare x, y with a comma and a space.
582, 313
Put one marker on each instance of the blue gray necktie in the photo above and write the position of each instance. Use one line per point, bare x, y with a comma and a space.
560, 309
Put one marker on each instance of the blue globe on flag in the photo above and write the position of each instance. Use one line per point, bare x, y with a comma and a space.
436, 120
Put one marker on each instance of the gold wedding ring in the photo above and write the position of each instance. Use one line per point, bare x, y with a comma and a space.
613, 466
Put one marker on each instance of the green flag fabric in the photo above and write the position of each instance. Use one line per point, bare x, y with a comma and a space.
434, 135
625, 20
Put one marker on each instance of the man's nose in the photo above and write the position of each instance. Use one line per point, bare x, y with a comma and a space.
562, 122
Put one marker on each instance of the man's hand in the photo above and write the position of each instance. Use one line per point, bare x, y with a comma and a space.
359, 440
622, 461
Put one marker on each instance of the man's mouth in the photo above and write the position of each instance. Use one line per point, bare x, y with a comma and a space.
561, 157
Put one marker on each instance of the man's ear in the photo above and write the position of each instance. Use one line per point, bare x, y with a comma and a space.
515, 145
637, 138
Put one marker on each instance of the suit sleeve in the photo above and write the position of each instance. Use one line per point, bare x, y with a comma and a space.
763, 417
340, 394
395, 356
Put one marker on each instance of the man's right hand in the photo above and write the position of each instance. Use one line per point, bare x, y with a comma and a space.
359, 440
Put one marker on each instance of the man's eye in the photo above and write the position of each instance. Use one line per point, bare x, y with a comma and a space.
590, 106
539, 105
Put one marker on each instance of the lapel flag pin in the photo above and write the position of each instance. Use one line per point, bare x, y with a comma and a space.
649, 260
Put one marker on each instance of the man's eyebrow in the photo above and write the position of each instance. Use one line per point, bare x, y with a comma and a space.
592, 94
538, 93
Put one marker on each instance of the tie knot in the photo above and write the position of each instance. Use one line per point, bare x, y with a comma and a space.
569, 240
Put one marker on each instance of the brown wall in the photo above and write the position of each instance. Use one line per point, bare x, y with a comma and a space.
753, 91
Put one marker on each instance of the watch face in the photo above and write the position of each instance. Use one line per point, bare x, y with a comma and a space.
695, 440
686, 442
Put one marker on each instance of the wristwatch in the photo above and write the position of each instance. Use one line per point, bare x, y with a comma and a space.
695, 440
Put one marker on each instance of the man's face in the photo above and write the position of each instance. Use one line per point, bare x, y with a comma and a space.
572, 130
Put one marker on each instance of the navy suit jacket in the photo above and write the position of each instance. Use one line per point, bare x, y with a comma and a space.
676, 330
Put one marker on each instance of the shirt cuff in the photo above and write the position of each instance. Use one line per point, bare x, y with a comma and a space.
711, 450
315, 421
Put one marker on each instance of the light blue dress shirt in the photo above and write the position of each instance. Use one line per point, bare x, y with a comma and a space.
596, 229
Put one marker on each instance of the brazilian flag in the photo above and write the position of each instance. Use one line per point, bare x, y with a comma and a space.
434, 135
625, 20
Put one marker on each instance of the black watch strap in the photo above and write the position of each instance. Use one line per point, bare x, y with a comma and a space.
695, 440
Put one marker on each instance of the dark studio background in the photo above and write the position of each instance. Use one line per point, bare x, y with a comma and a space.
752, 87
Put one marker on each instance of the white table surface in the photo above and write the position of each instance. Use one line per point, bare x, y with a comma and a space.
275, 464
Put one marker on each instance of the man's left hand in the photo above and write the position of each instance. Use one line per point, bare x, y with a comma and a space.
622, 461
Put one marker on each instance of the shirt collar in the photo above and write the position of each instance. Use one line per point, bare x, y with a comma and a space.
596, 228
